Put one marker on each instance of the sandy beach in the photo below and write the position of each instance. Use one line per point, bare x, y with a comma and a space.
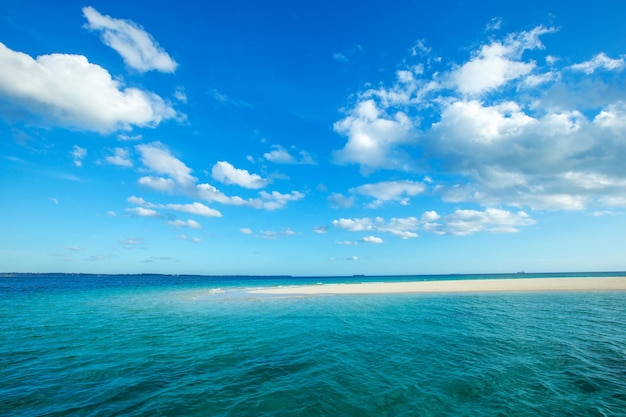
455, 286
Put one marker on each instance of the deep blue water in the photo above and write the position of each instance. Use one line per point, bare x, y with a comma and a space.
89, 345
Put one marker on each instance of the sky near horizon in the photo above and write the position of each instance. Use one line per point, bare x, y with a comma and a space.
312, 138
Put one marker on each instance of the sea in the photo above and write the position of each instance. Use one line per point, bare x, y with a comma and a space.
163, 345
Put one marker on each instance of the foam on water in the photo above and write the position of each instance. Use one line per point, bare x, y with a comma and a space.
215, 350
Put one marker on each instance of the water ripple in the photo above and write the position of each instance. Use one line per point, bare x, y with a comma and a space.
175, 352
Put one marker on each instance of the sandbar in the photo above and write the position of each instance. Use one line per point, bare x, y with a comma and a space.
455, 286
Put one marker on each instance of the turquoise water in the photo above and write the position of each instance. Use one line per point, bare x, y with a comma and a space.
197, 346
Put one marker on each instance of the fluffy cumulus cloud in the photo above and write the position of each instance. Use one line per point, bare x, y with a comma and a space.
175, 177
158, 158
374, 138
404, 228
372, 239
120, 157
382, 192
275, 200
137, 47
67, 90
196, 208
228, 174
506, 127
497, 63
460, 222
467, 222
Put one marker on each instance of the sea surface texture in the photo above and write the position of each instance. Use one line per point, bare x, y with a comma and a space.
79, 345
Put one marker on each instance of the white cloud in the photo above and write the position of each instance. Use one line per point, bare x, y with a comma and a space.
536, 80
143, 212
265, 201
355, 225
497, 63
320, 230
124, 137
471, 121
67, 90
614, 201
79, 154
402, 227
156, 157
138, 201
374, 138
430, 216
209, 193
385, 191
420, 48
461, 222
489, 70
466, 222
180, 95
195, 208
192, 208
337, 200
120, 158
275, 200
372, 239
245, 231
228, 174
537, 162
600, 61
501, 129
137, 47
181, 223
274, 235
158, 183
280, 155
494, 24
612, 117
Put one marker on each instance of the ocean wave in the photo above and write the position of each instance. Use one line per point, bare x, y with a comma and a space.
165, 352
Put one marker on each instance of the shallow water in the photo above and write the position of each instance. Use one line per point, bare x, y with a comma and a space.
128, 346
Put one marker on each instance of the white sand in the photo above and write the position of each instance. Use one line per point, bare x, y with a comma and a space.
482, 285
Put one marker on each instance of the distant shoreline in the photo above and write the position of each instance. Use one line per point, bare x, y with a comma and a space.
404, 277
617, 283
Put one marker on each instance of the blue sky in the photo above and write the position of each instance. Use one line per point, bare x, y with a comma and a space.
312, 138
